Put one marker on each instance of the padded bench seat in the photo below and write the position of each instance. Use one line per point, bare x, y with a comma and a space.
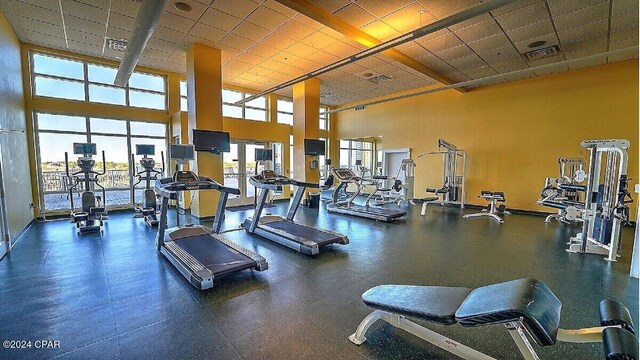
437, 304
505, 302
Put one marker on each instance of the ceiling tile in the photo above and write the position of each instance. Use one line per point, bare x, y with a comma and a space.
580, 52
263, 50
331, 5
332, 33
380, 30
383, 8
300, 49
278, 41
470, 22
250, 58
531, 31
408, 18
197, 9
523, 16
236, 8
79, 36
309, 22
492, 42
88, 12
588, 30
624, 56
597, 41
587, 63
206, 32
354, 15
150, 62
623, 44
121, 21
40, 26
324, 58
218, 19
559, 7
455, 53
160, 44
97, 3
513, 6
582, 16
46, 4
6, 8
341, 49
176, 22
47, 40
442, 8
125, 7
624, 20
156, 54
116, 33
84, 48
167, 34
228, 51
295, 30
236, 41
622, 6
467, 62
72, 22
267, 18
443, 42
35, 12
501, 54
279, 8
251, 31
624, 34
415, 52
478, 31
318, 40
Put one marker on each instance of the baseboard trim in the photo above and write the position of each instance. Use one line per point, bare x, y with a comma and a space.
21, 233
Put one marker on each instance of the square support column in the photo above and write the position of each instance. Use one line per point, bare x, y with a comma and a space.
306, 118
204, 102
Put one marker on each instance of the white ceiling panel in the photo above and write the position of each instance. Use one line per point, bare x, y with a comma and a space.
383, 8
88, 12
559, 7
251, 31
36, 12
525, 15
46, 4
236, 41
295, 30
531, 31
445, 41
218, 19
492, 42
197, 9
206, 32
478, 31
267, 18
240, 9
176, 22
72, 22
582, 16
587, 30
355, 15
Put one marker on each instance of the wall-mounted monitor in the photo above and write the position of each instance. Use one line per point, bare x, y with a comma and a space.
182, 152
211, 141
144, 149
264, 155
314, 147
85, 149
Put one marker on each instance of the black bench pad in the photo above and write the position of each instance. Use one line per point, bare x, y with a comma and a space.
509, 301
436, 304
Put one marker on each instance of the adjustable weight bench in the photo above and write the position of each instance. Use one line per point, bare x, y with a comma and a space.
493, 197
527, 307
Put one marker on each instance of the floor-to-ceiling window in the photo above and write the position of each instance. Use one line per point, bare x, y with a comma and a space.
56, 134
354, 151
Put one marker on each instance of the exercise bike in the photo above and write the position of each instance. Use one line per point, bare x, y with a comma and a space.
93, 211
149, 206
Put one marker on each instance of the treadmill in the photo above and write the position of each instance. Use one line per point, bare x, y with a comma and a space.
302, 238
346, 177
199, 253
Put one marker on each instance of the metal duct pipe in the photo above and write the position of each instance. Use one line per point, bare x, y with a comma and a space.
415, 34
146, 21
489, 78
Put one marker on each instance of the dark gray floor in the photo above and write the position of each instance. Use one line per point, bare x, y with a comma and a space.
114, 297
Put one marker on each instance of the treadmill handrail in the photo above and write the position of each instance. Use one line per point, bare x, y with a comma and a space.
277, 184
169, 188
305, 184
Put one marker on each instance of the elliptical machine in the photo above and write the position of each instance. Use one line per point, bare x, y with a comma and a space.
149, 206
93, 212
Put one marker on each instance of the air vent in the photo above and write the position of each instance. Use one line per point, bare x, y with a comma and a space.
359, 108
542, 53
117, 44
380, 78
327, 94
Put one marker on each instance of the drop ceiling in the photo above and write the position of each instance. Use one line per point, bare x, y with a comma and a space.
265, 43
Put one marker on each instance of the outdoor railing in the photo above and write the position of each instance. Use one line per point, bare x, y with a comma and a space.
57, 181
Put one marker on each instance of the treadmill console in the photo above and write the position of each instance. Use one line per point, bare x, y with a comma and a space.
185, 177
344, 174
269, 174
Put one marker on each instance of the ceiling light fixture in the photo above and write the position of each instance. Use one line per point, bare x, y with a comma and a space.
182, 6
397, 41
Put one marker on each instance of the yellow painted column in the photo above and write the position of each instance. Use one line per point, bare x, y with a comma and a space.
306, 118
204, 89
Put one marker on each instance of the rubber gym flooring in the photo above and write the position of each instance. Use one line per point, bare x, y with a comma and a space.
113, 297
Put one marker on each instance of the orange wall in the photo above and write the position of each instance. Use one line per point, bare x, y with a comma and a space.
514, 132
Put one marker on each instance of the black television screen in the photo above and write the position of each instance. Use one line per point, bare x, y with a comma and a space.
264, 155
181, 152
143, 149
314, 147
212, 141
85, 149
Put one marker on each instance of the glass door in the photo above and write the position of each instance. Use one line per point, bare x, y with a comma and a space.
231, 171
239, 166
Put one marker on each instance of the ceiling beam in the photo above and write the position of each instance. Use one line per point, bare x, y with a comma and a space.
438, 25
329, 20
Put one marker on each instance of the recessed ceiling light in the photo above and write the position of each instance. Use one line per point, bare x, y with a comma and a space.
182, 6
536, 44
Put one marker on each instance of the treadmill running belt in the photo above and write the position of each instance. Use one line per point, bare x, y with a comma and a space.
301, 231
214, 255
378, 210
